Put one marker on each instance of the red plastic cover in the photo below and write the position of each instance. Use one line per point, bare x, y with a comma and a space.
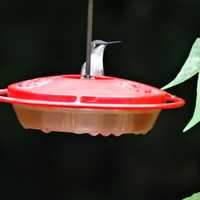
98, 92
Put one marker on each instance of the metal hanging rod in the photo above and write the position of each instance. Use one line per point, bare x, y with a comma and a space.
89, 38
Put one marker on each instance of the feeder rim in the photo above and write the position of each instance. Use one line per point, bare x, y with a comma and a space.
172, 102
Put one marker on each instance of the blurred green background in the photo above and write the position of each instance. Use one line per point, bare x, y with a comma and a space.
40, 38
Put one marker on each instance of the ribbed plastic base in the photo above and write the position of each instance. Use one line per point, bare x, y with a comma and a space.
91, 121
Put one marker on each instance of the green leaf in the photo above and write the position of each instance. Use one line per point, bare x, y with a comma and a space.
193, 197
196, 116
190, 68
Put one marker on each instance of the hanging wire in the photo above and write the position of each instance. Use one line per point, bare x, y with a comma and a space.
89, 38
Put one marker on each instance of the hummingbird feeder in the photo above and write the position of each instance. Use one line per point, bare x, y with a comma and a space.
87, 104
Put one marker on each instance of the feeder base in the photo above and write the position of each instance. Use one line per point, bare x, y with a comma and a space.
80, 121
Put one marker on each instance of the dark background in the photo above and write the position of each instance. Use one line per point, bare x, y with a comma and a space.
39, 38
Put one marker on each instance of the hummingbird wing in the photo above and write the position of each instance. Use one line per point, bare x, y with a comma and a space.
196, 116
83, 69
190, 68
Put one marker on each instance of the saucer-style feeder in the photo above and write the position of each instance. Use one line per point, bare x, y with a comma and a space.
87, 104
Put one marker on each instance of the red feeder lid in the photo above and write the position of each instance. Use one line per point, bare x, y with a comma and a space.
100, 92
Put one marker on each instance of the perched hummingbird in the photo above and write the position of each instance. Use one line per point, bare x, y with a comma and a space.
97, 53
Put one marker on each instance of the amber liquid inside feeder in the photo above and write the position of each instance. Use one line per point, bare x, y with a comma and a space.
92, 121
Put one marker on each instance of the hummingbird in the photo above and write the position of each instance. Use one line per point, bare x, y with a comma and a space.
97, 53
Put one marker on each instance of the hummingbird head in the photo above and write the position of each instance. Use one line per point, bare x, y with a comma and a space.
97, 43
98, 46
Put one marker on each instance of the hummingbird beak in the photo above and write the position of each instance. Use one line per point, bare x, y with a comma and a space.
110, 43
114, 42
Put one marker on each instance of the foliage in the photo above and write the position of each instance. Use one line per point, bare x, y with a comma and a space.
193, 197
189, 69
